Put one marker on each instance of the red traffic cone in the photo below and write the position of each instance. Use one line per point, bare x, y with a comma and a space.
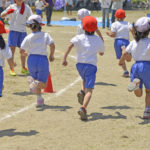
49, 87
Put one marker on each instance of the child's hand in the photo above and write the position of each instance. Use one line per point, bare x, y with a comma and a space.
101, 54
64, 63
121, 62
51, 58
10, 11
46, 4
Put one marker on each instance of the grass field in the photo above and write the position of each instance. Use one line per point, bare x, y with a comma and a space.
114, 114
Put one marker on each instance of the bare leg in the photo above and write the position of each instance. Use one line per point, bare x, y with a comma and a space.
11, 60
124, 67
87, 97
23, 61
147, 98
82, 86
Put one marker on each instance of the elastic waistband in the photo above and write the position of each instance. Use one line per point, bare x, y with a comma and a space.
142, 61
37, 55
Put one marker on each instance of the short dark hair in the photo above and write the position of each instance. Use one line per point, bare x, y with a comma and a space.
2, 42
89, 33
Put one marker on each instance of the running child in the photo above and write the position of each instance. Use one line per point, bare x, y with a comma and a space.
38, 64
120, 31
139, 50
87, 46
82, 13
17, 14
5, 53
39, 4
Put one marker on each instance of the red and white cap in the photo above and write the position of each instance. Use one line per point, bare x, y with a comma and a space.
83, 12
142, 24
89, 24
2, 28
34, 17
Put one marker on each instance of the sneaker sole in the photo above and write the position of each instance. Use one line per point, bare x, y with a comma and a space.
82, 115
80, 98
133, 85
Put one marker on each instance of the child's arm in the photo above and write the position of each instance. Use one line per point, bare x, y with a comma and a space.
66, 54
111, 34
126, 56
9, 11
52, 51
99, 34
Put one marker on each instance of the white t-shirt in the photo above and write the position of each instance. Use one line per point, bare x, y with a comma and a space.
5, 54
121, 28
39, 4
80, 29
105, 3
36, 43
17, 20
117, 5
140, 51
87, 48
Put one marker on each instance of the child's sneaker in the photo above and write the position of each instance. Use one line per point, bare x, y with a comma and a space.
82, 112
80, 96
146, 115
40, 102
33, 86
30, 79
126, 74
134, 85
12, 72
25, 71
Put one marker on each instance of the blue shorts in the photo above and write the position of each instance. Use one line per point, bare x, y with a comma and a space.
87, 73
118, 44
38, 12
141, 70
38, 66
1, 80
15, 38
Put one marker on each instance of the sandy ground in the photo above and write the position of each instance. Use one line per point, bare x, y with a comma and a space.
114, 114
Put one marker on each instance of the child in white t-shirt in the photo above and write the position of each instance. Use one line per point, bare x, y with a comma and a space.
88, 45
38, 64
120, 31
5, 53
82, 13
39, 4
17, 14
139, 50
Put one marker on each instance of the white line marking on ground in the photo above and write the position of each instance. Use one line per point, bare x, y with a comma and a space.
33, 104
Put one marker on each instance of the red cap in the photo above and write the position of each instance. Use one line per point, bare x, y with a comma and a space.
120, 13
2, 28
89, 24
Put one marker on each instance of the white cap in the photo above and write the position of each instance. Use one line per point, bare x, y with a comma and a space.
83, 12
142, 24
34, 17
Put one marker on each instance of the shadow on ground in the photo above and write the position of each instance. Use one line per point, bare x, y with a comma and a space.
105, 84
55, 108
12, 132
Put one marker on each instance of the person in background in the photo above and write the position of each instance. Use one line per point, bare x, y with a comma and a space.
49, 10
17, 14
69, 5
39, 6
105, 5
116, 4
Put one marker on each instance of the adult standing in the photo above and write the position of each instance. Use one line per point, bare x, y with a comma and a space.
105, 4
117, 4
49, 10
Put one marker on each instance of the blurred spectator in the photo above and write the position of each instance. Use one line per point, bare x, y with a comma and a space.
69, 5
117, 4
105, 5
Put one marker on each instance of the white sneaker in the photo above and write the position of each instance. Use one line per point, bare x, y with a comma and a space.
30, 79
33, 86
40, 102
134, 85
